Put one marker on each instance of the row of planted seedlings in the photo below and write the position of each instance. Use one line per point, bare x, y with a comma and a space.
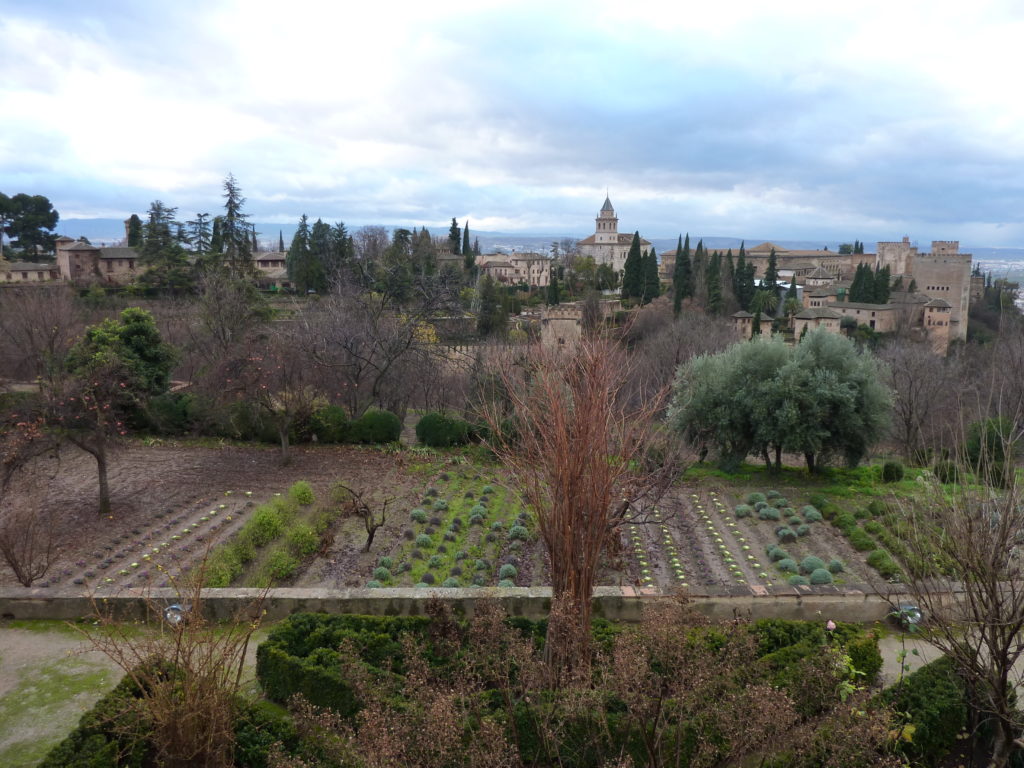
746, 555
471, 535
173, 539
792, 526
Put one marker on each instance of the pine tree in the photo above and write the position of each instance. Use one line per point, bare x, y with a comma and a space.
715, 303
235, 230
651, 281
134, 231
163, 256
455, 238
632, 273
199, 233
299, 261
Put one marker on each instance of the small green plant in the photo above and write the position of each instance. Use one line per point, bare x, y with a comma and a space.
518, 533
803, 530
497, 525
281, 565
418, 515
265, 525
450, 583
506, 583
820, 576
755, 497
811, 563
386, 562
811, 515
424, 541
786, 535
301, 493
892, 472
435, 561
373, 584
798, 581
507, 571
795, 520
480, 565
478, 509
773, 495
380, 573
302, 540
743, 510
860, 540
476, 520
487, 489
787, 565
769, 513
461, 555
835, 565
440, 505
427, 578
776, 553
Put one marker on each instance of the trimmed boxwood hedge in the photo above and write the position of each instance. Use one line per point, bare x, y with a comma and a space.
375, 426
439, 430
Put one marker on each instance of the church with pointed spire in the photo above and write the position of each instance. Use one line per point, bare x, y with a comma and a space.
607, 245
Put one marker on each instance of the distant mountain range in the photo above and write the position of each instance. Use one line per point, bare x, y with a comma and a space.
1001, 261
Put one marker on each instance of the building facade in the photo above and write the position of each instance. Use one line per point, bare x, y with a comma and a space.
607, 245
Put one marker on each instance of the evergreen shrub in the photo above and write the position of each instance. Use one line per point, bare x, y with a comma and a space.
892, 472
754, 498
798, 581
418, 515
820, 576
787, 565
769, 513
301, 493
835, 565
329, 424
811, 563
375, 427
439, 430
743, 510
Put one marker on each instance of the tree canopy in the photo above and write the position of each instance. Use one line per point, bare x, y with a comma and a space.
28, 221
823, 398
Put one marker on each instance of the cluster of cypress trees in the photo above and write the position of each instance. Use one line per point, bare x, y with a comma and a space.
640, 274
870, 286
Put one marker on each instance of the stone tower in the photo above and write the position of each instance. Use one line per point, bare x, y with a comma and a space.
606, 230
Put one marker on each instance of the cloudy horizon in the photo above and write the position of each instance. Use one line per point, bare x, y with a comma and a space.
798, 121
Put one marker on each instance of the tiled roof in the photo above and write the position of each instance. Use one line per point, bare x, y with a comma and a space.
939, 304
816, 313
26, 266
607, 205
118, 253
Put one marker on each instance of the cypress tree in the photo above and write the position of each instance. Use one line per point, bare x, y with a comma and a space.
466, 250
771, 273
455, 238
882, 285
554, 292
714, 285
859, 290
652, 283
217, 238
682, 275
280, 241
134, 231
255, 242
632, 273
791, 291
476, 246
301, 263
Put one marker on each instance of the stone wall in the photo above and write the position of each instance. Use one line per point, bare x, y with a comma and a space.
854, 603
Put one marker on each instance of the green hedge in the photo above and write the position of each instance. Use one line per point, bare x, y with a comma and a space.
375, 427
935, 700
438, 430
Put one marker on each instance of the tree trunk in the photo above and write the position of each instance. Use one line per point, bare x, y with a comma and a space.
1002, 746
283, 434
778, 458
767, 457
809, 457
101, 466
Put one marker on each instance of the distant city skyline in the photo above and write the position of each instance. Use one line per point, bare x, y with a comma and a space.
798, 121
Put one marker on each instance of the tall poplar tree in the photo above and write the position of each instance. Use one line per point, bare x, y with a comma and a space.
633, 271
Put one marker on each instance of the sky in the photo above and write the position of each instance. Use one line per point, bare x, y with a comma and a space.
789, 120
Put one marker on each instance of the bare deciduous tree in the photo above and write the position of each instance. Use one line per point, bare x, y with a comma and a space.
38, 325
579, 455
356, 506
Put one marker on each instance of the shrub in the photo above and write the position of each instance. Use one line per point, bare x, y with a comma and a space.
497, 525
787, 565
461, 555
753, 498
773, 495
803, 529
440, 505
820, 576
427, 578
487, 489
375, 427
775, 553
435, 561
421, 585
416, 554
439, 430
880, 560
455, 571
947, 472
329, 424
811, 515
743, 510
865, 655
418, 515
873, 527
386, 562
265, 525
281, 565
892, 472
795, 520
476, 520
380, 573
507, 571
759, 505
478, 509
845, 522
860, 540
506, 583
302, 540
409, 534
935, 699
450, 583
780, 502
811, 563
301, 493
518, 532
861, 514
480, 565
769, 513
424, 541
786, 535
798, 581
835, 565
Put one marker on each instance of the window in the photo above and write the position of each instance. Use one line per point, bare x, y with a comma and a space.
24, 275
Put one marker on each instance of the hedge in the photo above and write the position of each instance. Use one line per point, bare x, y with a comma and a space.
935, 699
375, 426
438, 430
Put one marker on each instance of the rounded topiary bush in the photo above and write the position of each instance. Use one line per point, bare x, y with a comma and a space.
773, 495
373, 584
753, 498
803, 529
518, 532
302, 493
375, 427
423, 541
798, 581
450, 583
507, 571
892, 472
776, 554
440, 504
795, 520
811, 515
769, 513
787, 565
427, 578
743, 510
759, 505
439, 430
418, 515
820, 576
786, 535
506, 583
435, 561
386, 562
380, 573
478, 509
835, 565
811, 563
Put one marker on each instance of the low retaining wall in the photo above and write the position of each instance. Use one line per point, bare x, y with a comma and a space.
855, 603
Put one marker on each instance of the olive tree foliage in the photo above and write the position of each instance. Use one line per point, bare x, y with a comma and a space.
824, 399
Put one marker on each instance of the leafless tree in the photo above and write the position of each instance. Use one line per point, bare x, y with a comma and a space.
370, 243
579, 456
356, 505
226, 312
967, 546
38, 325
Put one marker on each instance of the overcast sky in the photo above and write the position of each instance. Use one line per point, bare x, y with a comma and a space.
786, 120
